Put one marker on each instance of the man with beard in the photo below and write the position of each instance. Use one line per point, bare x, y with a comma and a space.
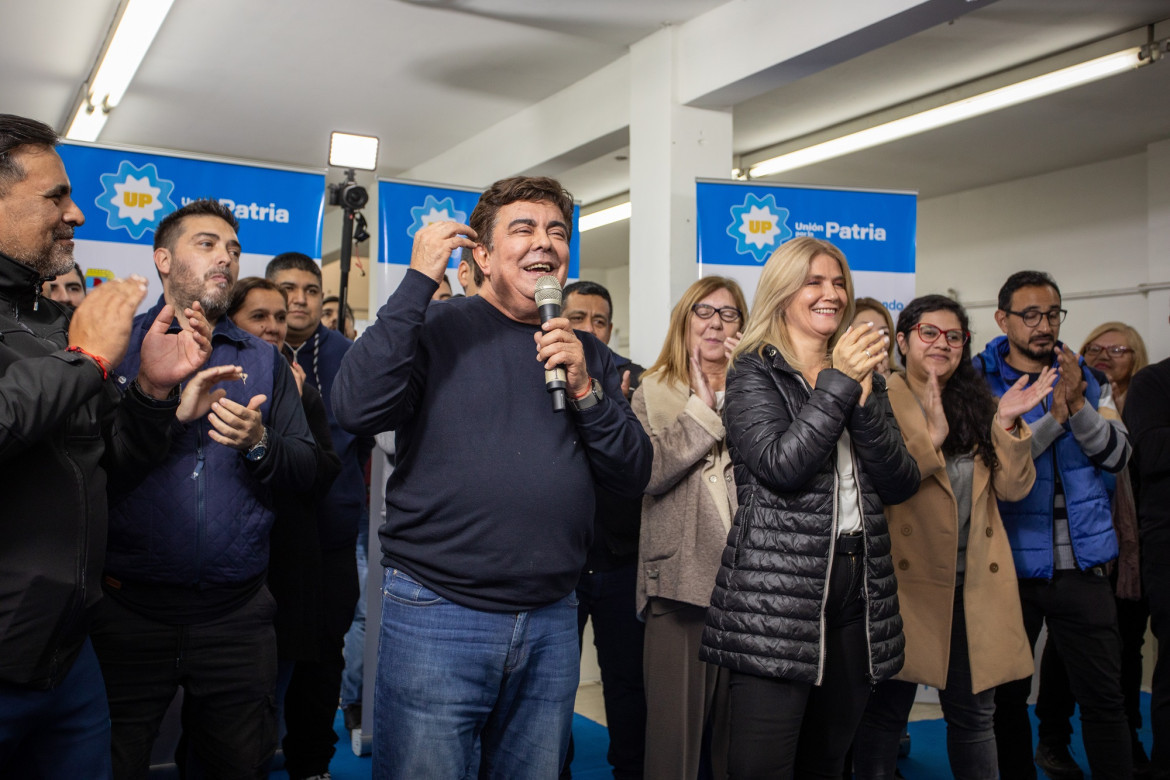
64, 433
1062, 534
186, 603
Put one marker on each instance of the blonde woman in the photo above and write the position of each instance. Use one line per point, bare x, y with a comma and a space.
805, 610
686, 512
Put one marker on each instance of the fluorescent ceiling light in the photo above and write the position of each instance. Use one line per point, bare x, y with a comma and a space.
87, 123
1021, 92
604, 217
353, 151
137, 26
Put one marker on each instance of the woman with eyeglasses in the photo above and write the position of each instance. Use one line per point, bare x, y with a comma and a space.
1117, 351
804, 613
956, 582
686, 512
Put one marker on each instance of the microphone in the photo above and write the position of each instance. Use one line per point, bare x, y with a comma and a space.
548, 303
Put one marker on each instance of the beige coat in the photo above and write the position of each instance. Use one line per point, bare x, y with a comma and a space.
924, 538
690, 499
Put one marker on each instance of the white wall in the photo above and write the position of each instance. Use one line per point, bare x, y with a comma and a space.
1086, 226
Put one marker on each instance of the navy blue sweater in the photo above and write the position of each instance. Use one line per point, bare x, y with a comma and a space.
491, 499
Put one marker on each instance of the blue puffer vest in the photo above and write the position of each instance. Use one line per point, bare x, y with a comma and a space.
1029, 522
199, 518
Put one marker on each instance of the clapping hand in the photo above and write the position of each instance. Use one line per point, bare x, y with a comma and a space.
169, 358
198, 396
1021, 397
937, 426
699, 384
1069, 394
858, 352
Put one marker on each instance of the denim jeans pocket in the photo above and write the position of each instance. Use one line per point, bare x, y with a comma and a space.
404, 589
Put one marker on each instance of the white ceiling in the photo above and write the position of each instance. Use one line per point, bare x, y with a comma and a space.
268, 81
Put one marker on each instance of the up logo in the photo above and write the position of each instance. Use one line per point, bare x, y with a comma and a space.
135, 198
758, 226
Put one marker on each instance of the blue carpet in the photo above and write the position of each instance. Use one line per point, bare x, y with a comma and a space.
927, 759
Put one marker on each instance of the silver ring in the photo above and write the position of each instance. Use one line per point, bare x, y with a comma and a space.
867, 354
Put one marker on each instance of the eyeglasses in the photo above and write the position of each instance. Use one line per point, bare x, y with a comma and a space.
956, 337
706, 311
1093, 350
1031, 317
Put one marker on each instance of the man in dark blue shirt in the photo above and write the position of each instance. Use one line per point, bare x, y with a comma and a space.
489, 511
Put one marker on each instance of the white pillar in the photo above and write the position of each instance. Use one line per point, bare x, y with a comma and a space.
670, 146
1157, 329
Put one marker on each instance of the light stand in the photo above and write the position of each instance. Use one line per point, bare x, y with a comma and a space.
351, 196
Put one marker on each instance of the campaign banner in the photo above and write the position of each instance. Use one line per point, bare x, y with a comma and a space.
125, 193
405, 207
740, 225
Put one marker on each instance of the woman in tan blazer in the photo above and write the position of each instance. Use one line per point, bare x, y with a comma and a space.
957, 587
686, 513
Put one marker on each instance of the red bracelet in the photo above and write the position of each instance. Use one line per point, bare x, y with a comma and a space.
102, 364
588, 390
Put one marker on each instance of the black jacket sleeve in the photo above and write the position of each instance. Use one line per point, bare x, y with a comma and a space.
291, 461
328, 461
878, 442
38, 394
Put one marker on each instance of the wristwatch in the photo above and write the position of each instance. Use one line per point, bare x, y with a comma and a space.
591, 399
259, 449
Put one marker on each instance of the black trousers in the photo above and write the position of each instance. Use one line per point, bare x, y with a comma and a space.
609, 598
1156, 586
310, 704
1082, 620
227, 668
1055, 701
782, 728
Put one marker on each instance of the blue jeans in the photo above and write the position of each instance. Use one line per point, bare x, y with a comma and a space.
355, 638
462, 693
62, 732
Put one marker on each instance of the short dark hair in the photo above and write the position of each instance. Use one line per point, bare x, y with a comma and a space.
588, 288
77, 269
511, 190
15, 132
170, 227
292, 261
1024, 279
246, 285
348, 308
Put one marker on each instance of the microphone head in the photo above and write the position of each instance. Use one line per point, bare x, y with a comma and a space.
548, 290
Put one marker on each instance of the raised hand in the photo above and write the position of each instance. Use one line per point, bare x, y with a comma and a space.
626, 384
298, 376
102, 323
237, 426
936, 418
1022, 397
1069, 394
858, 352
731, 342
167, 359
699, 384
198, 396
434, 243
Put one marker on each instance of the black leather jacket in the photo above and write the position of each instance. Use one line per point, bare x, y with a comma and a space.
62, 432
767, 609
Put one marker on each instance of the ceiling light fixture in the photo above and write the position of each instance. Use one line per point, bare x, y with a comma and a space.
137, 24
1014, 94
604, 217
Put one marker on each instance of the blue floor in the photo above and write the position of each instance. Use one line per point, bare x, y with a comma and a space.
927, 759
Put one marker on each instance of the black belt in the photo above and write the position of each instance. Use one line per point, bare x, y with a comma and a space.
851, 544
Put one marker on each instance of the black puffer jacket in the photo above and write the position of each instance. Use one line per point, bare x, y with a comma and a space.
62, 432
767, 608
